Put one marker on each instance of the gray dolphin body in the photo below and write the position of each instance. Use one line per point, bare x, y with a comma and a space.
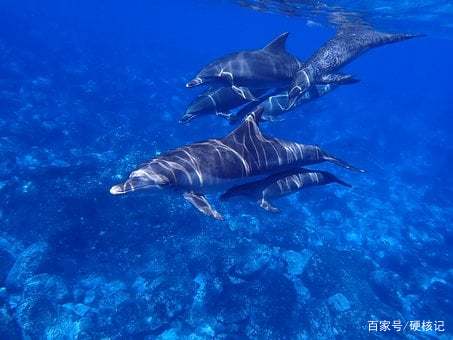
243, 154
281, 184
218, 101
349, 42
268, 67
222, 100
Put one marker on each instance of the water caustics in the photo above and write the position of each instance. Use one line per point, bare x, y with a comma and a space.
284, 241
430, 17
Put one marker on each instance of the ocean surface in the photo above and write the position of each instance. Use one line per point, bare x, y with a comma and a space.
89, 90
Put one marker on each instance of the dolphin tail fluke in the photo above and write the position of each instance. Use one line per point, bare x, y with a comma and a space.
332, 159
341, 182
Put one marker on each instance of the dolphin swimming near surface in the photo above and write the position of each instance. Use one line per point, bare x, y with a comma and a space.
269, 67
281, 184
243, 154
349, 42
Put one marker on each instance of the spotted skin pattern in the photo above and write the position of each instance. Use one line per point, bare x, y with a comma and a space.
349, 42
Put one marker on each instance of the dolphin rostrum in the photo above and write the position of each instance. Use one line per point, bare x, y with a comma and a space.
243, 154
281, 184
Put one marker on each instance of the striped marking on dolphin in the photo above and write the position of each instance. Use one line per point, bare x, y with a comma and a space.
205, 166
276, 105
264, 68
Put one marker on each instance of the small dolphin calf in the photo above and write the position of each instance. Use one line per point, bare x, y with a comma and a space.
268, 67
281, 184
349, 42
244, 153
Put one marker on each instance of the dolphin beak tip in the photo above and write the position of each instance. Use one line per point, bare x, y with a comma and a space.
186, 118
116, 190
194, 82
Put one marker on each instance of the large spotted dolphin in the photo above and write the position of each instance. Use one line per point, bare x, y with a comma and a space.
281, 184
268, 67
245, 153
349, 42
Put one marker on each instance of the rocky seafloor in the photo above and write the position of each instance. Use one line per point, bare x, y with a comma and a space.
77, 263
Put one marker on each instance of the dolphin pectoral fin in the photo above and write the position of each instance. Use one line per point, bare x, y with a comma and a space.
200, 202
267, 206
243, 92
339, 79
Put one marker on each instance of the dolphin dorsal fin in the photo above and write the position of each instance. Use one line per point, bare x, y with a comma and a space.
277, 45
249, 126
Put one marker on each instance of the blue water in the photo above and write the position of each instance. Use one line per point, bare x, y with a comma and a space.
90, 90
